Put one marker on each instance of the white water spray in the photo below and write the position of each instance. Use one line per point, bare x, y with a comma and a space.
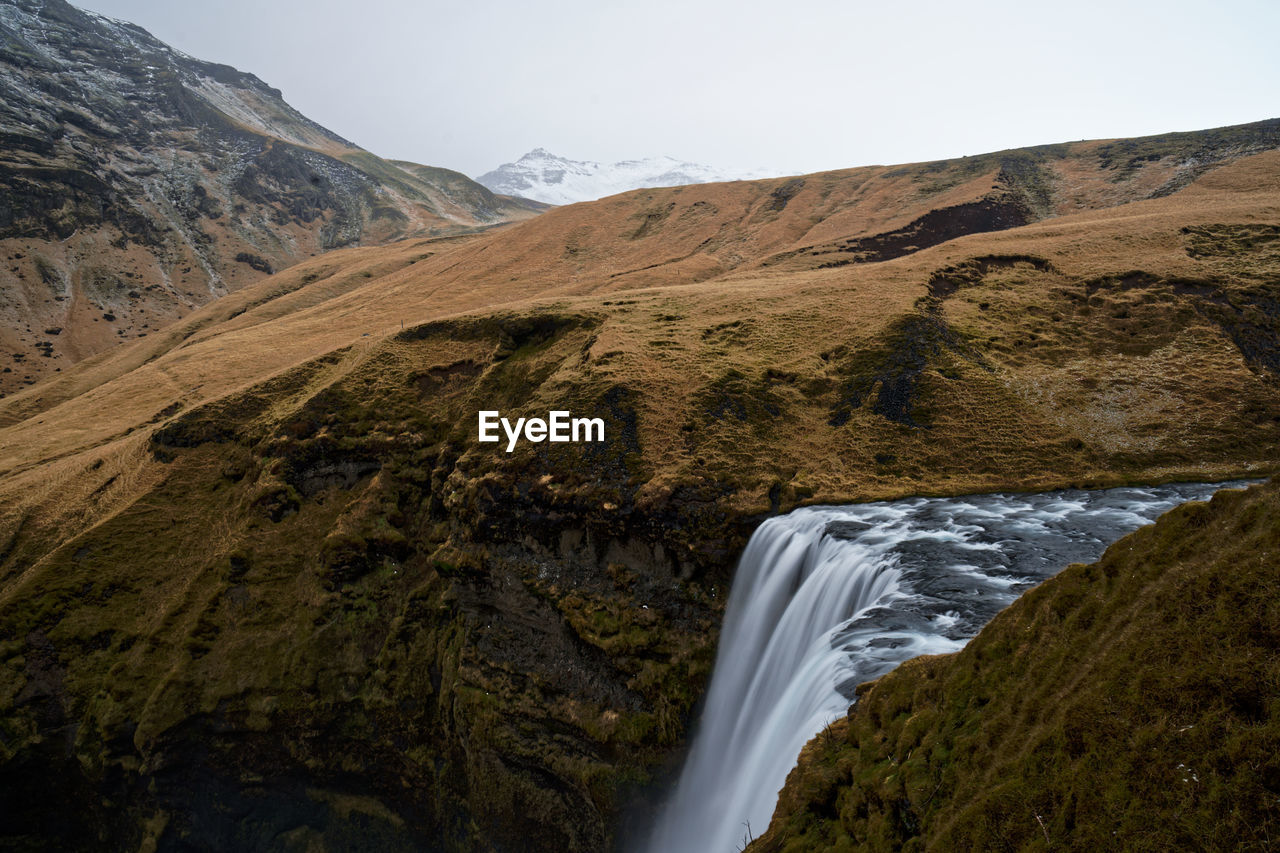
826, 598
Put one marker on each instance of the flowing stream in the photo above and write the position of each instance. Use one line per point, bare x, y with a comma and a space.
826, 598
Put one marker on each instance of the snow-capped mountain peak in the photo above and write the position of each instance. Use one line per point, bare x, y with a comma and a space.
547, 177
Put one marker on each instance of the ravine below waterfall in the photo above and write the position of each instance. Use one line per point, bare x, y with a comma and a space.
826, 598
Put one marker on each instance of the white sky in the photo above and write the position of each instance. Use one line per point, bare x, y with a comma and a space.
790, 86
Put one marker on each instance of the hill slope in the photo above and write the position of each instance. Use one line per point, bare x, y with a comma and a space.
260, 563
137, 182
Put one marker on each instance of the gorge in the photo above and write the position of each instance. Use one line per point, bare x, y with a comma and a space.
828, 598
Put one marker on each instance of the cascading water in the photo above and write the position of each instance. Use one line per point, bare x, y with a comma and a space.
826, 598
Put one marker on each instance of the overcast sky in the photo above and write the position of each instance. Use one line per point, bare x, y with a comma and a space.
791, 86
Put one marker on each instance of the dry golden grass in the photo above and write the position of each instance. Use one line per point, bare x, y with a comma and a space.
357, 298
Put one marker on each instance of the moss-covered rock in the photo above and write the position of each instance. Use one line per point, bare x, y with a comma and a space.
335, 623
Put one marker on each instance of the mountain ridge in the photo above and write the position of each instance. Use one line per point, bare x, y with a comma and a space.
137, 182
787, 226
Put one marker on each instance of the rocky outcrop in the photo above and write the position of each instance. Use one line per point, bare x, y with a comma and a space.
461, 655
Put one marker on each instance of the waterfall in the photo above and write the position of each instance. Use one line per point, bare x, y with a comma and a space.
826, 598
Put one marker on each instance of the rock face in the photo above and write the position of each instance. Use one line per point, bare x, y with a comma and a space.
546, 177
403, 653
138, 182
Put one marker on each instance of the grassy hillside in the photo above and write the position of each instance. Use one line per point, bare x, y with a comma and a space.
258, 562
1131, 704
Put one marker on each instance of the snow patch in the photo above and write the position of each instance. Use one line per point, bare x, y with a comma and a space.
546, 177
